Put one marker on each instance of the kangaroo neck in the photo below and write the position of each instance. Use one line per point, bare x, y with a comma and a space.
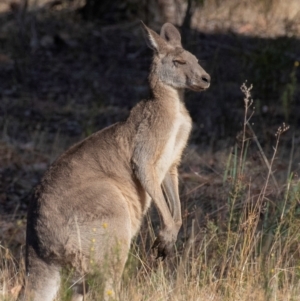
162, 92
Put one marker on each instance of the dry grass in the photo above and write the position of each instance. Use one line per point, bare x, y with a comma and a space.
264, 18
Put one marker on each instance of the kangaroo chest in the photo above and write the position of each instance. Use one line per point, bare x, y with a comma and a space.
176, 141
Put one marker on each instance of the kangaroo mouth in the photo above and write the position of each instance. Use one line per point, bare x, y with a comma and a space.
197, 88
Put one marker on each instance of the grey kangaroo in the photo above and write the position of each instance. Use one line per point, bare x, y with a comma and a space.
92, 199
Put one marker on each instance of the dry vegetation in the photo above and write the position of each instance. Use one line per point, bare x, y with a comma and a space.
62, 78
264, 18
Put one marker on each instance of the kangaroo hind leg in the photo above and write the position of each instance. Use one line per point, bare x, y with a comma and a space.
107, 242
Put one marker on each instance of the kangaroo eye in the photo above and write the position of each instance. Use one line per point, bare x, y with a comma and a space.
179, 62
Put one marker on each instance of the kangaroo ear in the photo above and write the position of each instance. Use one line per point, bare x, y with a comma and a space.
154, 41
171, 34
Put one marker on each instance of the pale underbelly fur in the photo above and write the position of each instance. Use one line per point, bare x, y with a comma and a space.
175, 145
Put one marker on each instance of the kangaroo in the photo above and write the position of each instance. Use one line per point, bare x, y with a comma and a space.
92, 199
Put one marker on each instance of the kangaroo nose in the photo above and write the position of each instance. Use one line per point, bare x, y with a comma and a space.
206, 79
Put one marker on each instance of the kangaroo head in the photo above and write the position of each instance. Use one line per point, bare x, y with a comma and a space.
172, 64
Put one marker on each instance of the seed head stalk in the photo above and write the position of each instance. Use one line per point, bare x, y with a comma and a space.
248, 101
